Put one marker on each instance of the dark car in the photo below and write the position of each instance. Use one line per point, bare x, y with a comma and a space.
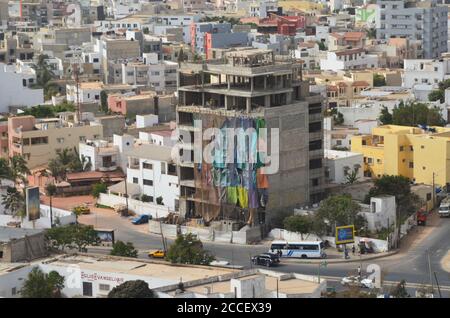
275, 257
264, 260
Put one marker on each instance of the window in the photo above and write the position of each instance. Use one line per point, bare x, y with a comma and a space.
87, 289
411, 164
135, 180
82, 138
148, 182
13, 291
315, 164
103, 287
163, 168
401, 148
26, 141
147, 165
315, 182
379, 161
411, 148
374, 207
428, 196
39, 140
369, 161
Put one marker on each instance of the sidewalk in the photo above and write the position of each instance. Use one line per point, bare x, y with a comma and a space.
333, 258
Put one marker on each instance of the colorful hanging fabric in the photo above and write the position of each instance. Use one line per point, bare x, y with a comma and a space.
262, 139
232, 196
242, 197
261, 180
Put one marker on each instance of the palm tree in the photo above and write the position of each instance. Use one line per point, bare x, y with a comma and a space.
14, 201
19, 169
50, 190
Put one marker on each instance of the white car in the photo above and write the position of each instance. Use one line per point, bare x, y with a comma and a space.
356, 281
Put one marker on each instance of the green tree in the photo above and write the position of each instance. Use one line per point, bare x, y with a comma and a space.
132, 289
104, 101
340, 210
98, 188
322, 46
14, 202
187, 249
124, 249
399, 291
5, 169
338, 118
159, 200
385, 116
41, 285
77, 236
18, 169
371, 33
352, 177
84, 236
378, 80
299, 224
44, 77
412, 114
50, 191
437, 95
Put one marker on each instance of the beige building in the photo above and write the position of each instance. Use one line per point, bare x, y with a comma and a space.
114, 49
38, 140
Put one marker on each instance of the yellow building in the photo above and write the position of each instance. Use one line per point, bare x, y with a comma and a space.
408, 151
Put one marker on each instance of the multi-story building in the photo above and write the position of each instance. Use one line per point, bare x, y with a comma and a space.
418, 154
16, 47
38, 140
99, 155
16, 83
348, 59
249, 89
208, 35
343, 40
424, 21
425, 72
113, 49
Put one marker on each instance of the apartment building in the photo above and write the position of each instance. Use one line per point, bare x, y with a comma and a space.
343, 40
250, 88
38, 140
348, 59
99, 155
423, 21
16, 47
428, 72
113, 49
416, 153
16, 83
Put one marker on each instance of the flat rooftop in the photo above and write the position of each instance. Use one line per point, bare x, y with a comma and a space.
163, 271
9, 233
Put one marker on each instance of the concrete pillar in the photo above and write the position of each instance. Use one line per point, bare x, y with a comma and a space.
249, 104
267, 101
229, 82
226, 102
203, 99
252, 83
265, 82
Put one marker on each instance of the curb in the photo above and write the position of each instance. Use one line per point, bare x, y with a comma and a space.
337, 261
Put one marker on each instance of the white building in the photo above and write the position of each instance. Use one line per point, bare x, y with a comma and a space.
425, 72
262, 8
151, 168
339, 165
380, 213
348, 59
99, 155
88, 92
15, 87
96, 276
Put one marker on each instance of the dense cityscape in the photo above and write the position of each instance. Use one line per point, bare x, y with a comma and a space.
185, 149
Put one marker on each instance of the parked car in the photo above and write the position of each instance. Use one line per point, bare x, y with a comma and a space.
157, 254
82, 209
273, 256
141, 219
263, 259
357, 281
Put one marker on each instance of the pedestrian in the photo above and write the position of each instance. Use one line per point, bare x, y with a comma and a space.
280, 253
359, 271
353, 249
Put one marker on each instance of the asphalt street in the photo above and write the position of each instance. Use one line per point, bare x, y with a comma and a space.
412, 265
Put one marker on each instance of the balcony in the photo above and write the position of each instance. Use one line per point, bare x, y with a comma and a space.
108, 167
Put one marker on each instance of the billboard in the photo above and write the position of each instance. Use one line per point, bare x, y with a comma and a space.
105, 235
345, 234
33, 203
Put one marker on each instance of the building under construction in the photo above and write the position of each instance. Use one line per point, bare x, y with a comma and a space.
248, 88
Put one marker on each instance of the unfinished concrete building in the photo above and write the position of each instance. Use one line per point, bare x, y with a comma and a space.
249, 88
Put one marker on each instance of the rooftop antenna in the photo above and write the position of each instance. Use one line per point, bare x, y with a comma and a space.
77, 81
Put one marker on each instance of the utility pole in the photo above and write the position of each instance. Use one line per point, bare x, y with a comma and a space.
437, 283
429, 268
434, 192
77, 81
126, 194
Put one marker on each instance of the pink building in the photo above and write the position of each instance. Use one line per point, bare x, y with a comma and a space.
4, 139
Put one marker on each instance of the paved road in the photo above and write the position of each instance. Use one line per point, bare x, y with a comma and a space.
411, 264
